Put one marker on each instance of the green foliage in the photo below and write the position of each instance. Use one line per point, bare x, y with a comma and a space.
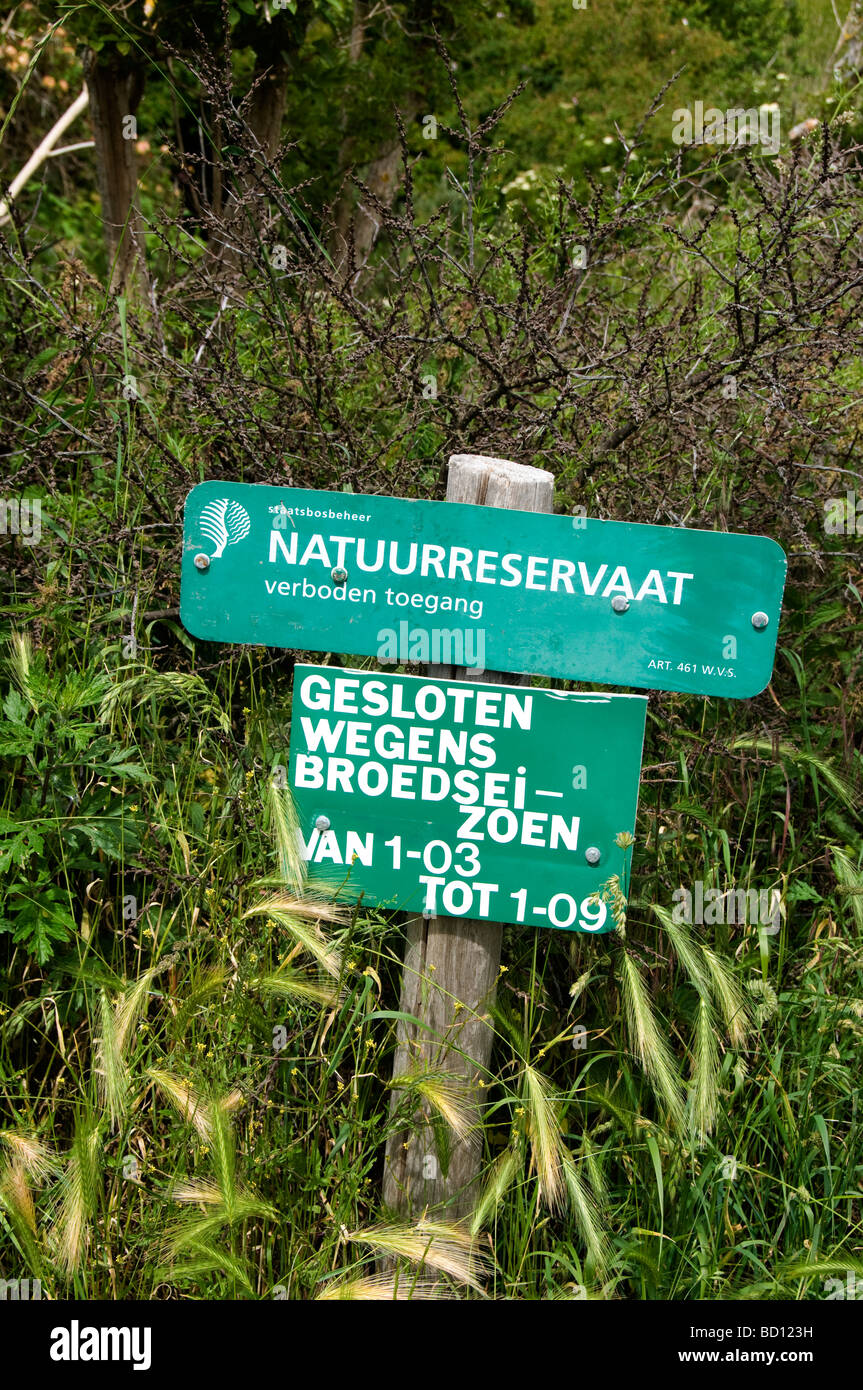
756, 28
195, 1054
66, 817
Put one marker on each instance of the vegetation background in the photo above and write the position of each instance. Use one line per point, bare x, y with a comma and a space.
332, 247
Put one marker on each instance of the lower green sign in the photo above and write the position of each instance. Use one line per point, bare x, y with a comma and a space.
469, 800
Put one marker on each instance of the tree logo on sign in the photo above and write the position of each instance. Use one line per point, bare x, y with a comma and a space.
224, 523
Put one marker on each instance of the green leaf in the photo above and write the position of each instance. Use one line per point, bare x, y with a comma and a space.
108, 834
24, 842
39, 925
799, 891
15, 707
653, 1147
13, 745
116, 762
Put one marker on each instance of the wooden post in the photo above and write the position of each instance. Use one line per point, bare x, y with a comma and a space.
451, 963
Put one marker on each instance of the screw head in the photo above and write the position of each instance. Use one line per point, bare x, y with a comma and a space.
322, 823
760, 620
592, 855
202, 562
339, 576
620, 603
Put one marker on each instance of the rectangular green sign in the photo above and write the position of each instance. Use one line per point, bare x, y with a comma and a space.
445, 583
489, 801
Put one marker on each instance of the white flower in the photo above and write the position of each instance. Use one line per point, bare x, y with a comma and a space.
521, 182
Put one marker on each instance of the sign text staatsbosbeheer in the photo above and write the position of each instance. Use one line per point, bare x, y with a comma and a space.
661, 607
489, 801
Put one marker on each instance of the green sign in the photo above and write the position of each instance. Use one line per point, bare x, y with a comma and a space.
466, 799
445, 583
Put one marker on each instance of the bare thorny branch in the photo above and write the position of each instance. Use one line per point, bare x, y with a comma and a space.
477, 331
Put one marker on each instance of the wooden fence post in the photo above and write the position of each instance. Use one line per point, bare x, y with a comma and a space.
452, 964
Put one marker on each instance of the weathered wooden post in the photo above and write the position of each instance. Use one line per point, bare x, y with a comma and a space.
452, 964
